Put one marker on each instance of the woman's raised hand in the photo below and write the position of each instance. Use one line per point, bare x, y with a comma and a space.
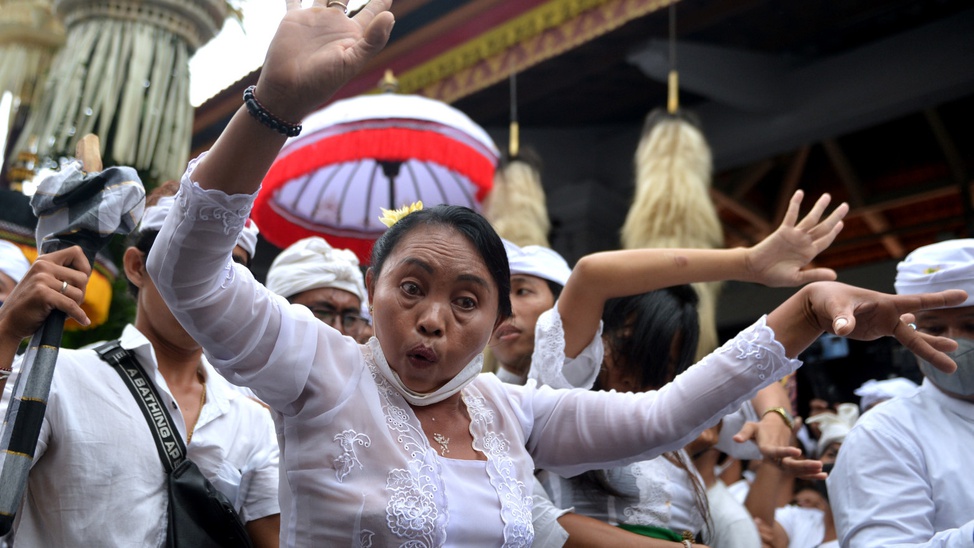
316, 50
778, 260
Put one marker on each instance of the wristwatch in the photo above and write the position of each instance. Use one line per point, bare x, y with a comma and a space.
785, 415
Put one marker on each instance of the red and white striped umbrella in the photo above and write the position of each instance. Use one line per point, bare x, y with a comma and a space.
358, 155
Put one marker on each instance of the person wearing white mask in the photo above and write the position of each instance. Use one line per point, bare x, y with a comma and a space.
903, 475
326, 280
13, 266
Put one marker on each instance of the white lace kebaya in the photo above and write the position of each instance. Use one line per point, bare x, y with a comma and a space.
357, 467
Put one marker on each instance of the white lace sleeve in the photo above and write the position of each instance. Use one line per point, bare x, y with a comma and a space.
252, 336
550, 367
606, 429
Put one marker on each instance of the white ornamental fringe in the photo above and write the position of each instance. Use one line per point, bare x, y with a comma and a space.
672, 207
128, 83
516, 206
22, 68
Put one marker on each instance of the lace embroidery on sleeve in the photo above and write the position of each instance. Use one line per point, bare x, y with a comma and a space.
757, 344
211, 204
549, 350
550, 367
516, 499
197, 203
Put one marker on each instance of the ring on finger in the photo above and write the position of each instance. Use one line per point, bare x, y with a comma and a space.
64, 286
913, 325
334, 3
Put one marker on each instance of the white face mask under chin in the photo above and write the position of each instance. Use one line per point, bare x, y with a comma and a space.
960, 382
456, 384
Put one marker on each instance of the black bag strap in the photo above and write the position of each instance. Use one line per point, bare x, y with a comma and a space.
172, 451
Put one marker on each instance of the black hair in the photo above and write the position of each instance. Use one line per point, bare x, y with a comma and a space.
639, 331
555, 289
468, 223
141, 240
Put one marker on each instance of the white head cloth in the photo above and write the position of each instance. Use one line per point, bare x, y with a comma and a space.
834, 426
155, 215
535, 260
312, 263
247, 240
872, 391
935, 267
13, 263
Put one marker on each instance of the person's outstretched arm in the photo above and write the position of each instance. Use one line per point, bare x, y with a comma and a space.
776, 261
611, 429
315, 51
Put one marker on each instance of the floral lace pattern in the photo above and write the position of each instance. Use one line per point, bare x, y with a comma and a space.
653, 506
412, 512
550, 367
516, 499
347, 460
202, 204
198, 203
757, 345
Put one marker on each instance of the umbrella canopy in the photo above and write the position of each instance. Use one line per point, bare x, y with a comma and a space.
362, 154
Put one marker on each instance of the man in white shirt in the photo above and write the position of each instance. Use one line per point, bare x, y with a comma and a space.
97, 478
903, 475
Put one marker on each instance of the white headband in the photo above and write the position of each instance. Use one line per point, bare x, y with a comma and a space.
873, 391
247, 239
936, 267
535, 260
312, 263
155, 215
834, 426
13, 263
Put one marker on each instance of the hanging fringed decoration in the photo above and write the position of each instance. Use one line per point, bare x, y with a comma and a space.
124, 75
516, 206
30, 35
672, 205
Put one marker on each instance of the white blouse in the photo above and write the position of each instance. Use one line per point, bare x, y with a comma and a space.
357, 465
651, 492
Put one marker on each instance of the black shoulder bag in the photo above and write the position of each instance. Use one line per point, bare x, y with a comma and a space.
200, 516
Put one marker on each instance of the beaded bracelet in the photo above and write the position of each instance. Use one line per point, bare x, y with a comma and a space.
265, 117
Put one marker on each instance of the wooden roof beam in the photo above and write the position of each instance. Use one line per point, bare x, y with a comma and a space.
874, 220
755, 219
790, 183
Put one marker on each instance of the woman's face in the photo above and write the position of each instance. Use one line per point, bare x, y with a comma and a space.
434, 306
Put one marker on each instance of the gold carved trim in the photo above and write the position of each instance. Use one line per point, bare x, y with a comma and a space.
526, 40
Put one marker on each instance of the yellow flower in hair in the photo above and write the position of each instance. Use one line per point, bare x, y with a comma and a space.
392, 216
